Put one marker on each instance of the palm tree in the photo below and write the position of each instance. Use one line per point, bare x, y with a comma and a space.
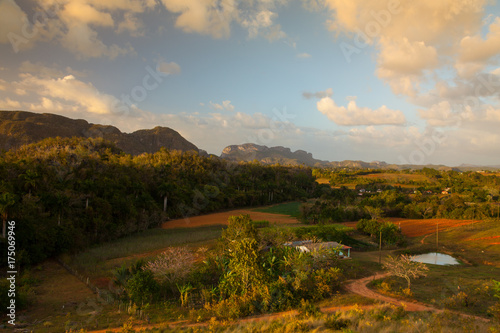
167, 186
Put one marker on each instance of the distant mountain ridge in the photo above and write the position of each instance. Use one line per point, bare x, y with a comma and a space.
18, 128
249, 152
271, 155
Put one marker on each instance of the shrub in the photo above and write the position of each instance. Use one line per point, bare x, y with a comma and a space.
335, 323
325, 282
307, 309
239, 227
142, 287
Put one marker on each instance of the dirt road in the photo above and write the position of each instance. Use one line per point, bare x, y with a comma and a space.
359, 287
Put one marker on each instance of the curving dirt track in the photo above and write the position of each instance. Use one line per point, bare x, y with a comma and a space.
221, 218
359, 287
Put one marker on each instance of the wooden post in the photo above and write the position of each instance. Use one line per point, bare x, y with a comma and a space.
380, 249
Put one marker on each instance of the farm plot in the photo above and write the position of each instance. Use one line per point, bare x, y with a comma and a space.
416, 228
222, 217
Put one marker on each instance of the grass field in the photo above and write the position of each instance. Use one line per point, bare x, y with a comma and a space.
479, 241
99, 260
465, 287
290, 208
323, 181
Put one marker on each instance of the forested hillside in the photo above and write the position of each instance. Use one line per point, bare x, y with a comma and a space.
19, 128
66, 194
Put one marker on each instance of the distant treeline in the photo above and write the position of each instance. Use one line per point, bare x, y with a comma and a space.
66, 194
435, 194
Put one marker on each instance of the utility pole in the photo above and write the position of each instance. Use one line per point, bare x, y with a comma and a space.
380, 249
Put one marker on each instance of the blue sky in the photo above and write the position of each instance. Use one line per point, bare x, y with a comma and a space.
396, 81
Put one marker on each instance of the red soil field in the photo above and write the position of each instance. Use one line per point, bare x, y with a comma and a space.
416, 228
481, 238
221, 218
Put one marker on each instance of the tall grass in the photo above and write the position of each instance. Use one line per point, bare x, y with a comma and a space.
376, 320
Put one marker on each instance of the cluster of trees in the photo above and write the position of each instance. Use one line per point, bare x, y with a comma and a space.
472, 197
482, 186
389, 232
65, 194
238, 278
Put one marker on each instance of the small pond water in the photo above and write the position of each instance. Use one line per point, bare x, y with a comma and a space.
436, 259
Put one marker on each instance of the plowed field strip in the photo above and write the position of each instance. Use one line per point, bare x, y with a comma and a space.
416, 228
221, 218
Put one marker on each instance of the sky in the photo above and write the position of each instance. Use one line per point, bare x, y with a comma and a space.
405, 82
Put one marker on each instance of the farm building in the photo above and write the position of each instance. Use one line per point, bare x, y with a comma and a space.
309, 245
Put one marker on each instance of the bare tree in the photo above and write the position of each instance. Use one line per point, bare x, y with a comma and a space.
404, 267
173, 265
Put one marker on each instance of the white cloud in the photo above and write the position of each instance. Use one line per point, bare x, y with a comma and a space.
73, 24
83, 26
215, 18
39, 69
262, 23
51, 91
476, 52
131, 24
203, 17
402, 63
414, 38
82, 40
440, 114
12, 19
9, 104
263, 19
77, 92
353, 115
224, 106
83, 12
171, 68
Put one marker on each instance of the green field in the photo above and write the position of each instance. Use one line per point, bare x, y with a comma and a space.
290, 208
466, 287
95, 261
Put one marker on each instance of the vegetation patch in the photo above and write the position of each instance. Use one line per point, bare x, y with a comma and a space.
98, 260
288, 208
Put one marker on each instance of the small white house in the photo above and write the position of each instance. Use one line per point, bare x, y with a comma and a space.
308, 246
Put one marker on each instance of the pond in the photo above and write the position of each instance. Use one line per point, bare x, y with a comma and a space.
436, 259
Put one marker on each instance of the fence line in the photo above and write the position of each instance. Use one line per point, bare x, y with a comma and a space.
103, 295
